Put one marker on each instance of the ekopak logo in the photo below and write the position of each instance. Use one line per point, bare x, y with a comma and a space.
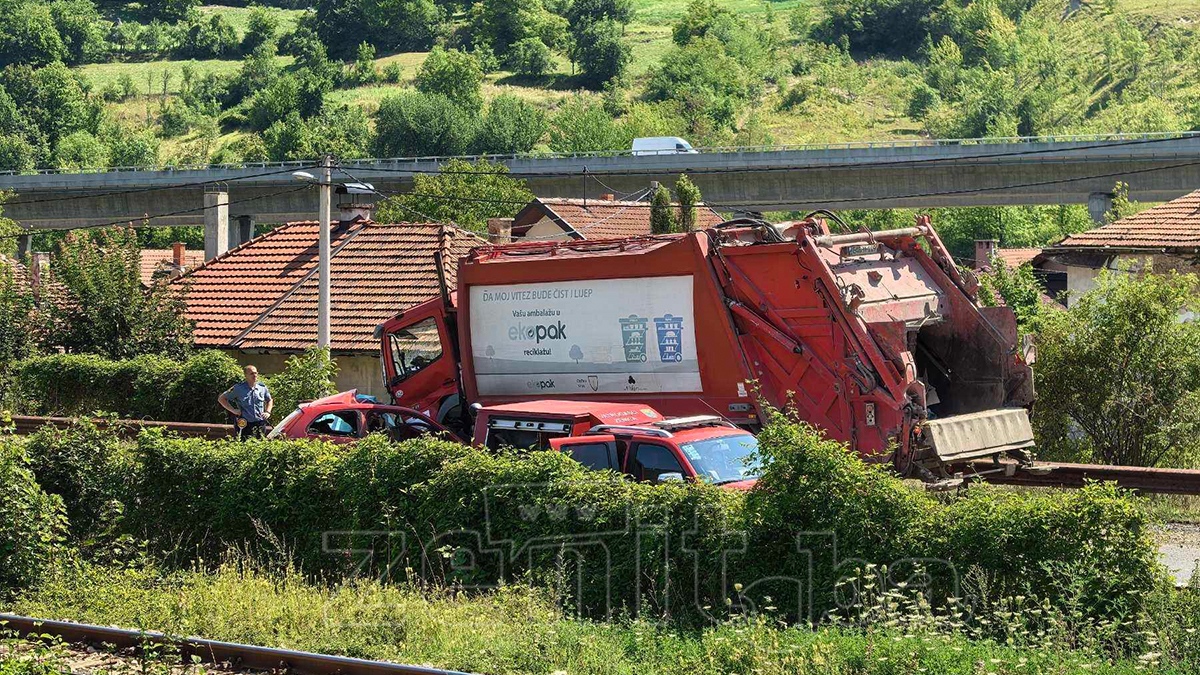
522, 332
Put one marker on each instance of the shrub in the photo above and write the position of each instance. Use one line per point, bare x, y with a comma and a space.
820, 515
81, 465
261, 28
305, 377
419, 124
392, 73
193, 397
530, 57
453, 74
510, 126
31, 522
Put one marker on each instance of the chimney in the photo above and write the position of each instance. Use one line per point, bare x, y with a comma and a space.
37, 264
985, 250
608, 197
177, 254
500, 230
355, 201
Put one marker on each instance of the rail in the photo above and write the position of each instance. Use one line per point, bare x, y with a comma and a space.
210, 651
1051, 474
25, 424
732, 149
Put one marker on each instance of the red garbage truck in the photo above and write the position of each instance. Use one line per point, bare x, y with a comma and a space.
877, 338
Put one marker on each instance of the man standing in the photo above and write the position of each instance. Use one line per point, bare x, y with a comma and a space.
250, 402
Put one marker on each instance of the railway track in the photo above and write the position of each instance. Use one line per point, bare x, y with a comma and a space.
242, 657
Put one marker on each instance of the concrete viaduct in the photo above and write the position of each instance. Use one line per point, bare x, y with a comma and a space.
923, 173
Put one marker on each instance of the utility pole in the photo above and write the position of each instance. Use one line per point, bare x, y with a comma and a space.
326, 186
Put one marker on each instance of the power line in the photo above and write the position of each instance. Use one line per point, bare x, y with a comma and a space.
174, 186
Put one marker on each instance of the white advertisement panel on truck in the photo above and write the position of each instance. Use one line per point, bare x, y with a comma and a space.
585, 337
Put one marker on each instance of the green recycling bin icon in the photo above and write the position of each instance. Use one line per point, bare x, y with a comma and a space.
633, 338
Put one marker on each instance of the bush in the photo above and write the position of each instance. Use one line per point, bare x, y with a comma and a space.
213, 38
530, 57
31, 522
146, 387
305, 377
419, 124
80, 464
819, 511
510, 126
193, 397
453, 74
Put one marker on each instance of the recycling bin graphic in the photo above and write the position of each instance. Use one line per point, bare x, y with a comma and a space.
633, 338
670, 331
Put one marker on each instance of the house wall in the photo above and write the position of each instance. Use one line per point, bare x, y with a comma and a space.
545, 230
355, 371
1081, 279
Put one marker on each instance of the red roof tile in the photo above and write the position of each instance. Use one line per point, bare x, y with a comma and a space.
263, 294
608, 219
1015, 257
155, 260
1175, 224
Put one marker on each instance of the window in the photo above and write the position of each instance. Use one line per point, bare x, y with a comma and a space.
592, 455
341, 423
414, 348
726, 459
650, 461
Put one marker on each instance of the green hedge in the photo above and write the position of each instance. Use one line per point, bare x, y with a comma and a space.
677, 550
145, 387
31, 522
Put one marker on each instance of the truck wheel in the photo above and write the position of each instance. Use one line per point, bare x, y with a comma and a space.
451, 417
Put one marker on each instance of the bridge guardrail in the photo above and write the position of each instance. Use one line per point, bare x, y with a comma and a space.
439, 159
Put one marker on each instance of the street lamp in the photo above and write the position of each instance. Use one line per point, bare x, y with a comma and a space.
325, 185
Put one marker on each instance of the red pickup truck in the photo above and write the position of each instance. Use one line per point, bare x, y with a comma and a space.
629, 438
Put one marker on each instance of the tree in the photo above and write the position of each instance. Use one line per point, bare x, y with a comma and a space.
80, 150
105, 310
461, 192
1121, 369
390, 25
20, 322
601, 54
689, 196
274, 103
661, 221
364, 71
453, 74
261, 28
530, 57
1016, 288
28, 34
414, 124
170, 11
582, 125
510, 126
503, 23
584, 12
305, 377
82, 30
209, 38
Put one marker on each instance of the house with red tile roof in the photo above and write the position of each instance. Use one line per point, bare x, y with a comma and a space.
1162, 238
167, 263
258, 302
548, 218
1051, 274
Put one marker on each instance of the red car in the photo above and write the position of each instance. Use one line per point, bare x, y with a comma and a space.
347, 417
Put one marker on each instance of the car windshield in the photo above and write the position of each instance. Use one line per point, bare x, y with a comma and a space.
726, 459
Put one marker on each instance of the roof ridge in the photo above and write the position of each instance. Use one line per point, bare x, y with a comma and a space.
262, 316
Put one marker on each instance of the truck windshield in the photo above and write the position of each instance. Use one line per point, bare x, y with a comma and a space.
414, 348
726, 459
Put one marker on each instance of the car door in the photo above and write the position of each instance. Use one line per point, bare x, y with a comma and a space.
649, 462
598, 452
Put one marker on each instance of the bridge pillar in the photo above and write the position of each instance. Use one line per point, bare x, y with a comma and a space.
242, 232
24, 246
1099, 203
216, 224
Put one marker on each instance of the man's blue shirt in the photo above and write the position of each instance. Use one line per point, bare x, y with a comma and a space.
250, 401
